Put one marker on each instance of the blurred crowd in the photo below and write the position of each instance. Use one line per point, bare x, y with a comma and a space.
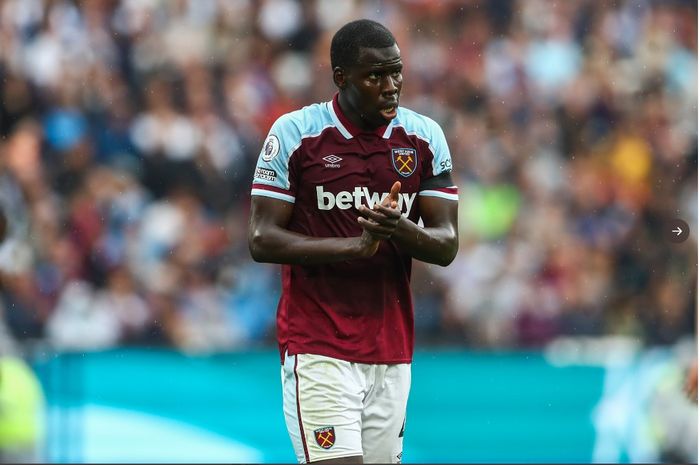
129, 130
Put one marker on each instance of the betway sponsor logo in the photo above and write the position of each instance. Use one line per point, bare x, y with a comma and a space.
359, 196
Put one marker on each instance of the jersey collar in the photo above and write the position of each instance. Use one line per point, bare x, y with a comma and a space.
347, 128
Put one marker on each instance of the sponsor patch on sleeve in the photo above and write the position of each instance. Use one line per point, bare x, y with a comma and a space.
445, 166
264, 174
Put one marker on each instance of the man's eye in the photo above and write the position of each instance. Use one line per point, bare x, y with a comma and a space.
396, 74
374, 76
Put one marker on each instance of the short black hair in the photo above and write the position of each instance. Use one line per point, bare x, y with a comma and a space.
346, 43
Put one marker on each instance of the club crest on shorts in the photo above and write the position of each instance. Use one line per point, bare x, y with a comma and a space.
405, 161
325, 437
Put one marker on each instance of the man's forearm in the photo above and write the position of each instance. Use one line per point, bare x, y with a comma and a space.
432, 245
278, 245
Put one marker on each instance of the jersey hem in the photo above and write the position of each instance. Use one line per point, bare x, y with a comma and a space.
350, 359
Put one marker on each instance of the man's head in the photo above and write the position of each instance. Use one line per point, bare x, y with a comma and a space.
367, 68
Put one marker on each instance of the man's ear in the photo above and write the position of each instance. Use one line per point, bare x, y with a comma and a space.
339, 77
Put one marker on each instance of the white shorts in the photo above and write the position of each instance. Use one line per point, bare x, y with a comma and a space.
335, 408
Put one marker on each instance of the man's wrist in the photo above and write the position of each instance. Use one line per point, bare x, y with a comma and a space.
366, 244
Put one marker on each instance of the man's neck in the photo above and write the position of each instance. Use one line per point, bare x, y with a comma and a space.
351, 114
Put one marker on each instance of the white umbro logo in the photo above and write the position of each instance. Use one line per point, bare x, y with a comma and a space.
333, 161
332, 158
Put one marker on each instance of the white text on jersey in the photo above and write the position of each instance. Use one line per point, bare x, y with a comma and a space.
359, 196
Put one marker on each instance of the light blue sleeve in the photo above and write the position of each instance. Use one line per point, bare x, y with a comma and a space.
431, 133
272, 176
442, 160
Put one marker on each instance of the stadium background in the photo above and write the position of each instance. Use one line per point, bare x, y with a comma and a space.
135, 326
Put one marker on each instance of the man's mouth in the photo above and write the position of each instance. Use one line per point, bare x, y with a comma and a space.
389, 112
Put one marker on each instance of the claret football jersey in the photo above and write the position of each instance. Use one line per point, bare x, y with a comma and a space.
357, 310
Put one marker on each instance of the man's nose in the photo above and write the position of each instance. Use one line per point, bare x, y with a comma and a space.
389, 86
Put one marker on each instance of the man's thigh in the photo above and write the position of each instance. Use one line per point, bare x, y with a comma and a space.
322, 402
384, 416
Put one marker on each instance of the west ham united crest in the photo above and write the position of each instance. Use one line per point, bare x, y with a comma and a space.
325, 437
404, 160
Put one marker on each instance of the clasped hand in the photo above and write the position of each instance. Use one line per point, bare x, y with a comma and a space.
382, 219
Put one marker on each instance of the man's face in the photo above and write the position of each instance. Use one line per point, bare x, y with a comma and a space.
373, 85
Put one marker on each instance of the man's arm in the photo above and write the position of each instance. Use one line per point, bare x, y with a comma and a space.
270, 241
437, 241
